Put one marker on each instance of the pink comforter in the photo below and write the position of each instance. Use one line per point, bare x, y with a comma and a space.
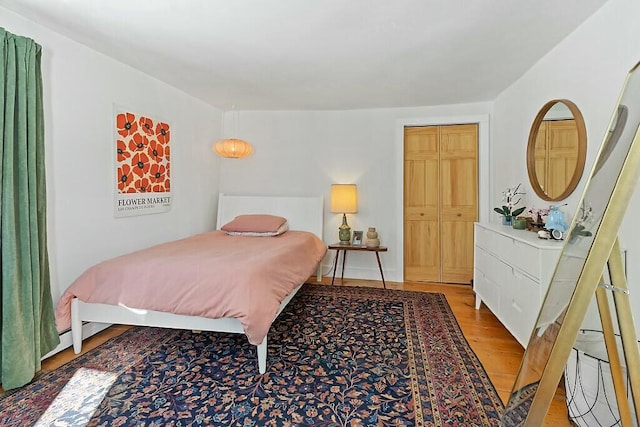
210, 275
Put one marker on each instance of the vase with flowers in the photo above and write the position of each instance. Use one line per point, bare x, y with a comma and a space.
510, 198
537, 222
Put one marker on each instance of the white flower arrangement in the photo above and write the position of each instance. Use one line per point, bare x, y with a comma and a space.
510, 198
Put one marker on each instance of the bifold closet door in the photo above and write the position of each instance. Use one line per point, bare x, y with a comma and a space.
421, 204
458, 200
440, 202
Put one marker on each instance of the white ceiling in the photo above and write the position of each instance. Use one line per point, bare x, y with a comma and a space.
320, 54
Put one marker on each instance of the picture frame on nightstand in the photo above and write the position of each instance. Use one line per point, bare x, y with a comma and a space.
357, 238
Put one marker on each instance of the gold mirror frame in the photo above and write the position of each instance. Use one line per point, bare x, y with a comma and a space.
582, 150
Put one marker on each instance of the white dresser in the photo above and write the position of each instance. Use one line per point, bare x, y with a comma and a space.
512, 271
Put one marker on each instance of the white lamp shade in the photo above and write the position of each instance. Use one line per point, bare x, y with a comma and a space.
233, 148
344, 198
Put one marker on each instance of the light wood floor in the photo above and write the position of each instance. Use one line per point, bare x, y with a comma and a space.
498, 351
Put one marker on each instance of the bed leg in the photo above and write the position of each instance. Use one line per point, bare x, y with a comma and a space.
262, 356
76, 326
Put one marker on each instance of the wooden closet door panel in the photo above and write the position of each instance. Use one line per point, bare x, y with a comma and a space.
562, 144
421, 142
456, 261
540, 156
459, 200
421, 257
421, 202
421, 181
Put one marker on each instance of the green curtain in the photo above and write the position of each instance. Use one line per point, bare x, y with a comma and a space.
28, 326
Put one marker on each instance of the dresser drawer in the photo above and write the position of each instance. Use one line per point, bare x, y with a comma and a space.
483, 237
521, 304
487, 290
482, 260
523, 257
493, 268
495, 243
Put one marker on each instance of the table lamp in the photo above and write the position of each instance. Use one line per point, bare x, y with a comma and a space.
344, 200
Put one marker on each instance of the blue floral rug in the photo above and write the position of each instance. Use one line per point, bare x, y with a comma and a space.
338, 356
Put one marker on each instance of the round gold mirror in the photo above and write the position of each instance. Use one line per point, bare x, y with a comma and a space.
556, 150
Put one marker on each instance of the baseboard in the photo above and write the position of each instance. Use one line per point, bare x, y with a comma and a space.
88, 329
359, 272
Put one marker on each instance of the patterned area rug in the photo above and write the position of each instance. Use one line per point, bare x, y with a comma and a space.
338, 356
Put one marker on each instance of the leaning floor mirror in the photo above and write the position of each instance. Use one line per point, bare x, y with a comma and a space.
589, 254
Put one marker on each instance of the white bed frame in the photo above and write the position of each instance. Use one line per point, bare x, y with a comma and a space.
303, 213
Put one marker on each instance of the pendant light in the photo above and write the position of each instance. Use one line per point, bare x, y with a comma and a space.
232, 148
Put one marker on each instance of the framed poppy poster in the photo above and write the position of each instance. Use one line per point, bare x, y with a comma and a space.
143, 164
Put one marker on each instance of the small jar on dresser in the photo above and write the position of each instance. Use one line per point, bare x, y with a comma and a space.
512, 271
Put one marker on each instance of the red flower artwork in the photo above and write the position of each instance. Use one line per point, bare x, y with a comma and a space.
156, 151
140, 164
138, 142
123, 152
141, 185
142, 154
157, 173
162, 132
124, 177
126, 124
146, 124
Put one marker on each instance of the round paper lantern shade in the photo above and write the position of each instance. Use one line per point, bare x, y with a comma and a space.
233, 148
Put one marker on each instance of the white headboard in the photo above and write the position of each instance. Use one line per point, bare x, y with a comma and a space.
303, 213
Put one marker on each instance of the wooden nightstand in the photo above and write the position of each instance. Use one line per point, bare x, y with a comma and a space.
344, 248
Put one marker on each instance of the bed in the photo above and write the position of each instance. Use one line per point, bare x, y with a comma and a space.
189, 265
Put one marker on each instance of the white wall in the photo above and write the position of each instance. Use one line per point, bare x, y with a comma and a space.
81, 87
589, 67
299, 153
